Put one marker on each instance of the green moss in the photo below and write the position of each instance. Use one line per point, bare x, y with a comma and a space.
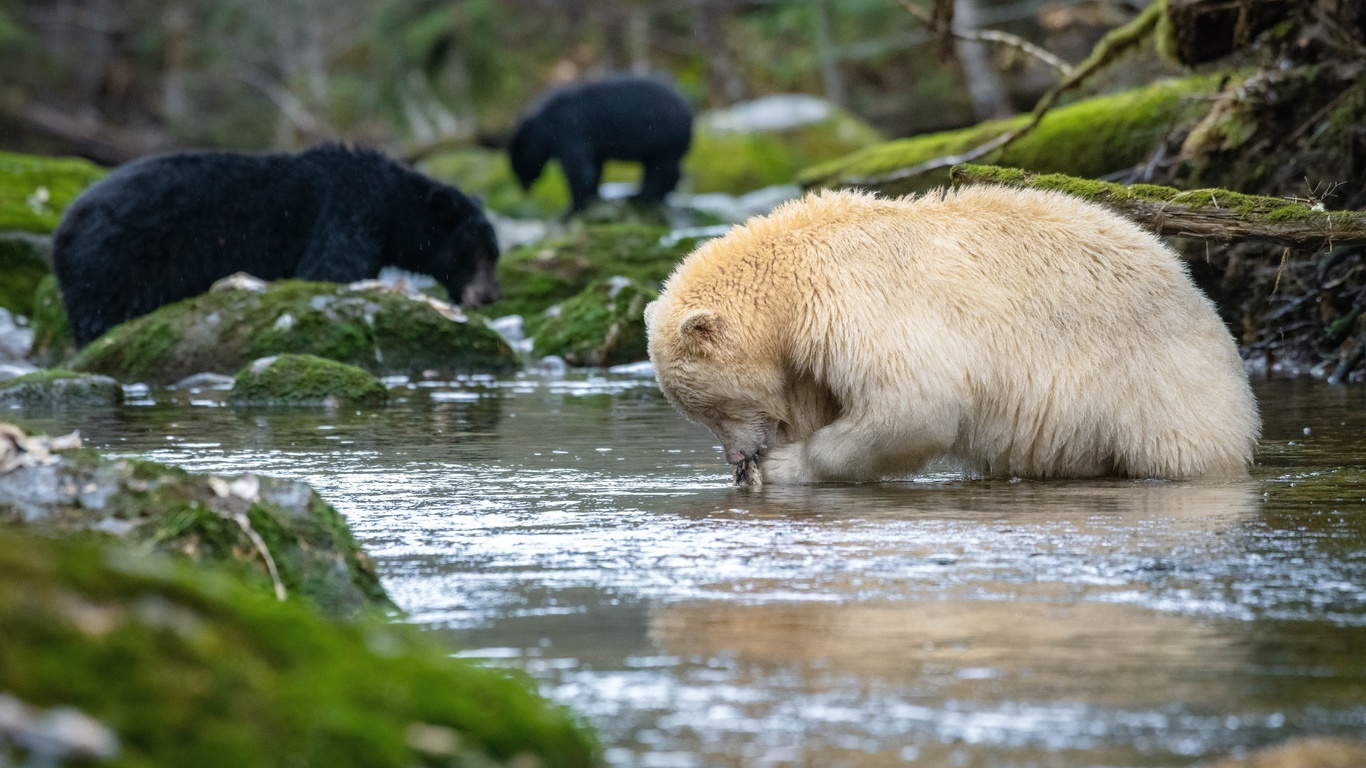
601, 326
23, 263
538, 276
60, 389
1088, 138
1272, 209
189, 668
305, 380
487, 174
222, 331
35, 190
52, 342
736, 162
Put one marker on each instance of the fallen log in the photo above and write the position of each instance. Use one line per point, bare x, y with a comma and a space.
1208, 214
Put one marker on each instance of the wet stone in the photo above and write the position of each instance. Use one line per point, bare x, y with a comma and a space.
58, 389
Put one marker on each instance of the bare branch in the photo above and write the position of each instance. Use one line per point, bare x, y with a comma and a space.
991, 36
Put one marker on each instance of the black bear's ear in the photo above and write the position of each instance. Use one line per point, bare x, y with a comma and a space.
701, 330
441, 205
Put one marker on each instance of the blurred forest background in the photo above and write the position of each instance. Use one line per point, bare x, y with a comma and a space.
115, 79
1264, 97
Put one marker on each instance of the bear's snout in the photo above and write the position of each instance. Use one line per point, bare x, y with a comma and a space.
478, 294
735, 456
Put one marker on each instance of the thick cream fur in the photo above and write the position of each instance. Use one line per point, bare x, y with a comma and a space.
1025, 333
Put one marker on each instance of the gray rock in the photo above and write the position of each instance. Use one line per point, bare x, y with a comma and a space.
60, 389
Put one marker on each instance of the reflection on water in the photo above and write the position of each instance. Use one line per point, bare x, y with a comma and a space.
579, 530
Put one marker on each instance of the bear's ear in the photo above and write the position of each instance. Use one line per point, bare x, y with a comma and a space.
701, 330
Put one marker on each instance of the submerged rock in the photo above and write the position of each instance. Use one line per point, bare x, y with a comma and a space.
187, 667
305, 380
60, 389
221, 331
604, 325
277, 535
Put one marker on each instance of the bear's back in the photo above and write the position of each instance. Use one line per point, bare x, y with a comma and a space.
1068, 340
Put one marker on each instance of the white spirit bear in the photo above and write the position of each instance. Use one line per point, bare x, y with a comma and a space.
848, 337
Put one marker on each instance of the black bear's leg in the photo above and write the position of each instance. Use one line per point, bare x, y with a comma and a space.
661, 176
582, 171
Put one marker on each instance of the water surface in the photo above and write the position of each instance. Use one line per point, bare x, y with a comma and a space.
581, 531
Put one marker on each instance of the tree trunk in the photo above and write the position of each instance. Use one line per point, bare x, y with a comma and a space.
831, 79
722, 75
175, 25
989, 99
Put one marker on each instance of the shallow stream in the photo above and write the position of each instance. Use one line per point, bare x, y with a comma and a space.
579, 530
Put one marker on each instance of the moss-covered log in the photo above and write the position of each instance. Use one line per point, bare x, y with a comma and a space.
1089, 138
1217, 215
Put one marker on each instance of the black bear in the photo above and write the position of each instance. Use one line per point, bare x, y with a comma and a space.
582, 126
164, 228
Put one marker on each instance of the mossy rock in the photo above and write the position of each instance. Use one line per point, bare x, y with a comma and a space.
52, 342
188, 667
1088, 138
56, 389
221, 331
536, 277
23, 263
35, 190
200, 518
729, 156
604, 325
305, 380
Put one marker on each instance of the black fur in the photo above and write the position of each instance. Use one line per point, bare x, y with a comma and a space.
623, 118
161, 229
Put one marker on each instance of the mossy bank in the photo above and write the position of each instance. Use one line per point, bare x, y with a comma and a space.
1088, 138
192, 668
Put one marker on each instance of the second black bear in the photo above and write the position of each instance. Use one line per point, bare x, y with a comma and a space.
582, 126
164, 228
